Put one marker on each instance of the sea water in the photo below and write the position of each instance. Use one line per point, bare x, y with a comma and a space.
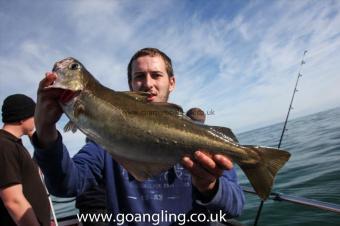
313, 170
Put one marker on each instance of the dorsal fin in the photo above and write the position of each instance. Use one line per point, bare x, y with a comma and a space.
224, 131
168, 107
137, 95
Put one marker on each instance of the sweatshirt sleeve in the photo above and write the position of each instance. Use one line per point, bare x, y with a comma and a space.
229, 196
66, 176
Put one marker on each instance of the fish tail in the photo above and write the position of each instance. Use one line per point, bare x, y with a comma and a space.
262, 174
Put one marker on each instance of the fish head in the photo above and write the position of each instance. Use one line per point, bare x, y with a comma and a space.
71, 77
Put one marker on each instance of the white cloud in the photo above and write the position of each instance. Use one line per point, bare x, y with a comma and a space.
242, 64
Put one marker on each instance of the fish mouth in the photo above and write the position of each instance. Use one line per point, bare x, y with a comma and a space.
67, 95
68, 90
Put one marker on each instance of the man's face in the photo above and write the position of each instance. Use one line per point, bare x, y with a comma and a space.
149, 75
28, 125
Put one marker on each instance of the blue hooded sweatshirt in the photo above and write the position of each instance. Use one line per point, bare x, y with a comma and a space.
161, 200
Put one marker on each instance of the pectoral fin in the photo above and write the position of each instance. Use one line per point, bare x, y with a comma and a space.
70, 126
78, 109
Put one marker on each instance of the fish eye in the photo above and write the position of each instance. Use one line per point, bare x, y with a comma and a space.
74, 66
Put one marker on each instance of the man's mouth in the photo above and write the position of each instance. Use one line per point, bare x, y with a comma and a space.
152, 96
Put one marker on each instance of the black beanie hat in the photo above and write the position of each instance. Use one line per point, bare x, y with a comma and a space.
17, 107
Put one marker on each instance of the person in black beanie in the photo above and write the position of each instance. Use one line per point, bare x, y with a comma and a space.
17, 107
23, 197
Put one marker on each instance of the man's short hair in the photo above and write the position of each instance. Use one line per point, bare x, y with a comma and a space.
150, 52
196, 114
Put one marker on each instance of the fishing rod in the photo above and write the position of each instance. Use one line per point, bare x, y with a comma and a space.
291, 101
284, 126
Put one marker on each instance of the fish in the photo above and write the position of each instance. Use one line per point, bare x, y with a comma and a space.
148, 138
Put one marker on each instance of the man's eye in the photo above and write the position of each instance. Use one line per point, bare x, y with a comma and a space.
138, 77
156, 75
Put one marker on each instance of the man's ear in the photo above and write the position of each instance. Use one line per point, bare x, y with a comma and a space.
172, 81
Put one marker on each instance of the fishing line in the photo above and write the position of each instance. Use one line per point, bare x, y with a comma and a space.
284, 126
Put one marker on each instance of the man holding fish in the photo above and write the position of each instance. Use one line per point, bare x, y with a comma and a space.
206, 184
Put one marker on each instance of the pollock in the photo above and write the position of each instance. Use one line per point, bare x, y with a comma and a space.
148, 138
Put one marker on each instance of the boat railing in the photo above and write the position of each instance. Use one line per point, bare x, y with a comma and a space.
332, 207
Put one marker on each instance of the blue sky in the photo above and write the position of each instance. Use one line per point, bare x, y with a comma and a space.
237, 58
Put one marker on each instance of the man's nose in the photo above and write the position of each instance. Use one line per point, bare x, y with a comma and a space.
149, 81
